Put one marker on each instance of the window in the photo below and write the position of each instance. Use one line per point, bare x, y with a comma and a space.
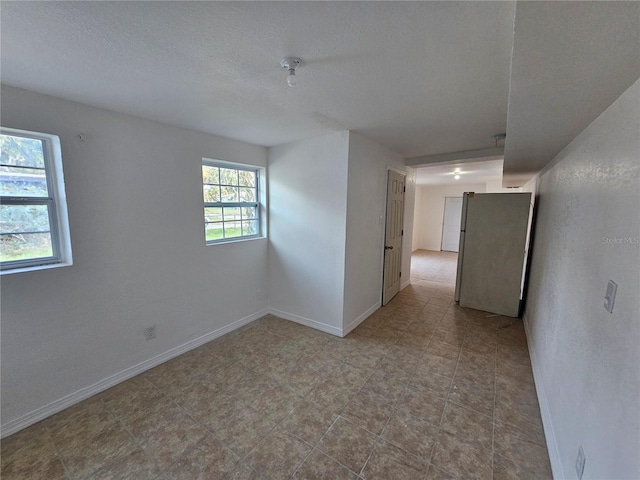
231, 201
34, 228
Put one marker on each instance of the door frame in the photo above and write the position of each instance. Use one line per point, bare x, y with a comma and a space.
383, 239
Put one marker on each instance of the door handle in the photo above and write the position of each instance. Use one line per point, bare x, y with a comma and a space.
388, 247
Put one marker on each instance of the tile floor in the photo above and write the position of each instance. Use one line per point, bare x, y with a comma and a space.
421, 390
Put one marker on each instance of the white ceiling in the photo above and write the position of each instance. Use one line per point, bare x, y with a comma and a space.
421, 78
571, 60
470, 173
417, 77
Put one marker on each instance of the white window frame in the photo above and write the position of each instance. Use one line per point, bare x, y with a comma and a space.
260, 204
56, 203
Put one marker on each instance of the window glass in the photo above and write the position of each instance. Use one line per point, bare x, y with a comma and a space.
32, 230
231, 202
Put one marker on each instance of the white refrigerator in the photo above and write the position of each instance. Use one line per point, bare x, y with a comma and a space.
492, 256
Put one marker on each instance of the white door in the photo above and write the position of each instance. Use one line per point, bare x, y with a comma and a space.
393, 236
451, 224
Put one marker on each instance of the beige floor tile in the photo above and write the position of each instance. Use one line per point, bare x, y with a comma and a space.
525, 448
30, 453
133, 464
244, 472
414, 435
442, 349
170, 441
208, 459
468, 424
462, 459
107, 445
244, 429
369, 410
388, 461
505, 469
437, 383
424, 403
278, 455
433, 364
253, 403
318, 466
470, 395
435, 473
49, 469
348, 444
309, 421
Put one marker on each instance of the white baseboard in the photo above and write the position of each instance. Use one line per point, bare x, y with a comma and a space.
58, 405
405, 284
352, 325
549, 432
306, 321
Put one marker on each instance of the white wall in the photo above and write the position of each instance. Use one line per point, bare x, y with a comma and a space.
307, 229
429, 212
417, 216
134, 191
366, 205
587, 361
495, 186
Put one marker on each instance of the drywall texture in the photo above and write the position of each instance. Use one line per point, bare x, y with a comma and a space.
366, 204
586, 360
134, 190
307, 229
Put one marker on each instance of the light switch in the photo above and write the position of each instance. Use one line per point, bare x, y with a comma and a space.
610, 297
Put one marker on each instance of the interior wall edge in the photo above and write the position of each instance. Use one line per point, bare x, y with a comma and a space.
361, 318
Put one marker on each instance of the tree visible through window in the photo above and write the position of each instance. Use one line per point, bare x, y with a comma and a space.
231, 201
29, 216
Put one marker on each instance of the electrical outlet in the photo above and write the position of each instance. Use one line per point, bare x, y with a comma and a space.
580, 463
150, 332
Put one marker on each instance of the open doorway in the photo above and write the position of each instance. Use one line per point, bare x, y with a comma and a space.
436, 271
436, 227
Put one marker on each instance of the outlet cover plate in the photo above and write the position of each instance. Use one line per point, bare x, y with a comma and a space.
580, 463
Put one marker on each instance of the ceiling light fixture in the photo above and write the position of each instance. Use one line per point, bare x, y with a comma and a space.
290, 64
457, 177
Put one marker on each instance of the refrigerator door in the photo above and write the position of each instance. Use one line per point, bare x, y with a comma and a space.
491, 261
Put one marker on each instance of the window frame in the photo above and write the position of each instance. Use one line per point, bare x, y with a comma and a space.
55, 202
258, 204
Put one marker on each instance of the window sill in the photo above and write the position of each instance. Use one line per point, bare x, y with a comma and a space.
236, 240
35, 268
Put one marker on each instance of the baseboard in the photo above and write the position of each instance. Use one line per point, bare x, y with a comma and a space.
323, 327
352, 325
549, 432
58, 405
405, 284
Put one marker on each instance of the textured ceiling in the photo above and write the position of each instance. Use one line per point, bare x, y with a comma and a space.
421, 78
418, 77
571, 60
